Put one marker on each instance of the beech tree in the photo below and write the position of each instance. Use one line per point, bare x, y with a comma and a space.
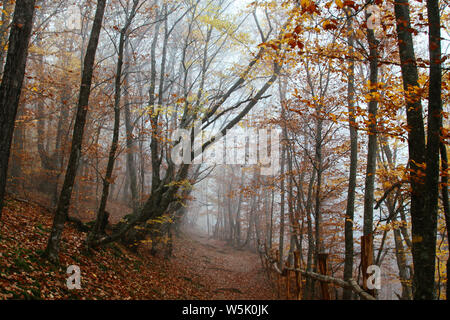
425, 192
12, 78
61, 213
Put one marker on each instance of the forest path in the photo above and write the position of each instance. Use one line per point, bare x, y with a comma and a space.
225, 272
200, 268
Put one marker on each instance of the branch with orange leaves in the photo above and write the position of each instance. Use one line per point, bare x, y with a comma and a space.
388, 191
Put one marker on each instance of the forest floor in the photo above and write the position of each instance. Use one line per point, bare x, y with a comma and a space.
200, 268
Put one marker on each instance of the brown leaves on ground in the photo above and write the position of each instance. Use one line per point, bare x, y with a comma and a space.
200, 268
219, 271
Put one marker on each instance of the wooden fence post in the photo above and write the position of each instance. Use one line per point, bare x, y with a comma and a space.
278, 275
366, 260
288, 280
298, 275
322, 260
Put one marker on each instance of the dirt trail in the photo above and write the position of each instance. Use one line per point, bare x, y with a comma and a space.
200, 269
225, 272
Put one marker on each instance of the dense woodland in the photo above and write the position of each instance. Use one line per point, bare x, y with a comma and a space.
354, 95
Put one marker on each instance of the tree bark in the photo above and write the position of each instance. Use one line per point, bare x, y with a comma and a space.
319, 169
11, 86
131, 180
445, 203
101, 214
372, 131
425, 275
6, 19
350, 209
309, 284
423, 282
62, 209
283, 161
424, 191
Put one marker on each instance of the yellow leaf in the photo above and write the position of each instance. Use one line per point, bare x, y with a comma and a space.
305, 3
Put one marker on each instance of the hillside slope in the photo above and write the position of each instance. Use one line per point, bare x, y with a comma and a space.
199, 269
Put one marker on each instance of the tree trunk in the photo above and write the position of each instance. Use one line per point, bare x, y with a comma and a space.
391, 203
445, 204
97, 229
6, 19
372, 131
282, 92
309, 290
402, 265
131, 180
425, 275
62, 209
319, 169
282, 195
270, 236
372, 147
11, 86
350, 209
423, 191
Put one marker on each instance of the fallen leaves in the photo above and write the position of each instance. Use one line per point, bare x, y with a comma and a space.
199, 268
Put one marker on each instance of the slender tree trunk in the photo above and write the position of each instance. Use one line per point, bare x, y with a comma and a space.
391, 203
293, 217
445, 204
282, 195
425, 275
11, 86
154, 116
402, 265
61, 138
237, 224
101, 214
309, 290
372, 145
130, 160
350, 210
18, 147
422, 222
131, 180
48, 160
282, 92
250, 225
271, 218
319, 170
62, 209
6, 19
